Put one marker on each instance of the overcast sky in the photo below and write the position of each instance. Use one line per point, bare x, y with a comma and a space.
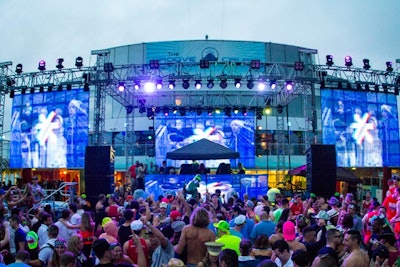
49, 29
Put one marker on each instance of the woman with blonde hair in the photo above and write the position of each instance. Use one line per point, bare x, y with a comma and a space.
75, 245
87, 233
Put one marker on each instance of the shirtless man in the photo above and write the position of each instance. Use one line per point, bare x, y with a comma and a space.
194, 236
357, 257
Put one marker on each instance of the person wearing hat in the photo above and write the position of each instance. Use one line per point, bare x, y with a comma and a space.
192, 186
224, 236
59, 249
47, 249
322, 219
174, 262
131, 247
162, 248
213, 251
289, 235
32, 244
247, 227
167, 230
240, 222
37, 190
296, 205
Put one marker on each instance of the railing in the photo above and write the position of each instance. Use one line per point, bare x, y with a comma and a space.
51, 193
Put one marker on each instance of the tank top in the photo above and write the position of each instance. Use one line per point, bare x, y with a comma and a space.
133, 254
113, 212
87, 237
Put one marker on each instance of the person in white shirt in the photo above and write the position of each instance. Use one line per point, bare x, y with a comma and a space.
282, 254
75, 216
47, 220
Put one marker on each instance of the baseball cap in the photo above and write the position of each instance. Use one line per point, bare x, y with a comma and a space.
289, 231
178, 226
83, 196
249, 204
32, 239
174, 262
175, 214
105, 221
332, 213
222, 226
239, 220
214, 248
137, 225
163, 205
322, 215
59, 242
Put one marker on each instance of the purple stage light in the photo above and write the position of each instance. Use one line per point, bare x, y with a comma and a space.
42, 65
121, 87
348, 61
289, 85
149, 87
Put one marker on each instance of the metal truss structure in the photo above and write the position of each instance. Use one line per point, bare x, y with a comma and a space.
106, 77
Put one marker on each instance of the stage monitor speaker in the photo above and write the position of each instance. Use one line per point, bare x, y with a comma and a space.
321, 169
99, 171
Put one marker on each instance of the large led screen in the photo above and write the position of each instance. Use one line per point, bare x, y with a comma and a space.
235, 132
49, 130
363, 126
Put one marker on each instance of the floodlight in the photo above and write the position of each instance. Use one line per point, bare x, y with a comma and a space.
166, 111
32, 91
389, 66
261, 85
348, 61
79, 62
42, 65
235, 110
237, 83
244, 111
267, 110
121, 87
23, 91
197, 84
217, 110
199, 110
182, 111
210, 83
159, 84
41, 89
272, 84
366, 64
174, 110
329, 60
289, 85
171, 84
136, 85
59, 65
50, 88
18, 68
223, 84
69, 87
228, 111
250, 83
60, 88
209, 111
185, 83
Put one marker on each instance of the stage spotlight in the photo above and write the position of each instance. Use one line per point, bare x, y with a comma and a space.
136, 85
185, 83
267, 110
150, 113
389, 66
348, 61
18, 68
50, 88
108, 67
255, 64
209, 111
358, 86
42, 65
204, 64
244, 111
159, 84
250, 83
366, 64
272, 84
69, 87
289, 85
142, 109
210, 83
367, 87
60, 88
376, 87
149, 86
86, 87
174, 110
166, 111
299, 65
12, 93
23, 91
121, 87
32, 91
329, 60
154, 65
79, 62
261, 85
236, 110
223, 84
182, 111
197, 84
41, 89
238, 83
228, 111
217, 110
199, 110
59, 65
171, 84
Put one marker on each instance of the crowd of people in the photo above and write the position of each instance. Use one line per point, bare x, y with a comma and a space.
171, 230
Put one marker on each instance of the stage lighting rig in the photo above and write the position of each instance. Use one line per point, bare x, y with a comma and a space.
18, 68
224, 82
79, 62
329, 60
250, 83
210, 83
366, 66
60, 65
171, 84
42, 65
348, 61
185, 83
389, 66
197, 84
238, 84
